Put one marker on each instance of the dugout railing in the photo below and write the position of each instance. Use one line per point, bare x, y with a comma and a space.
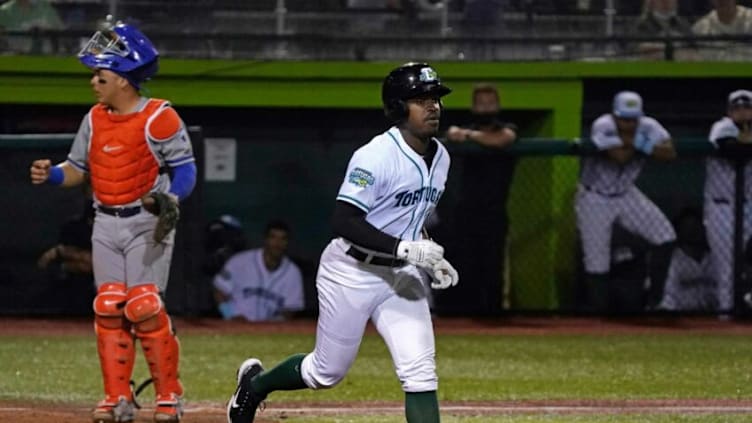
512, 234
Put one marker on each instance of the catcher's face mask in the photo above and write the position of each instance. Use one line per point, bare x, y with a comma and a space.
123, 49
105, 42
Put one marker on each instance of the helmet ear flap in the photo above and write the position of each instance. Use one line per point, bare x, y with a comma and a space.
396, 110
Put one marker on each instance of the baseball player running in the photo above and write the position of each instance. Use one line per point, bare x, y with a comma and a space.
729, 135
376, 267
125, 144
607, 194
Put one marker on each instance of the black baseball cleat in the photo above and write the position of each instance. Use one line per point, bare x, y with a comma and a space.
243, 404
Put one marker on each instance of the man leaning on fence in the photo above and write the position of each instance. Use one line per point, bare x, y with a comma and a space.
732, 137
478, 223
606, 195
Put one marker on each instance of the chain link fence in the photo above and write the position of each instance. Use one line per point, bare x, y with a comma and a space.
668, 245
508, 223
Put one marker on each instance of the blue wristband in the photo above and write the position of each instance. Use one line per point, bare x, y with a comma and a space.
57, 176
644, 144
648, 148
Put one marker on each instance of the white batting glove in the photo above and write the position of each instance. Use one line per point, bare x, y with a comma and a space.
422, 253
444, 275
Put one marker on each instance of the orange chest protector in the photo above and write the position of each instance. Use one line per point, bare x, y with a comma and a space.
122, 166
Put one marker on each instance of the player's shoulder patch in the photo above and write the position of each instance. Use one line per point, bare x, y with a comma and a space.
164, 125
361, 177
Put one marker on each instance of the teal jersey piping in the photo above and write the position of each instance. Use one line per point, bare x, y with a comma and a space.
431, 172
412, 217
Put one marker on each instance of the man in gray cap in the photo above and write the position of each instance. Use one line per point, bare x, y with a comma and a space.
606, 195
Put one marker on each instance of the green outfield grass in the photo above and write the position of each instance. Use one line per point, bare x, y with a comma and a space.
64, 369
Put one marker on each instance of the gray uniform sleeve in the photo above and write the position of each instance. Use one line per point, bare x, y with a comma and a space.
603, 133
724, 128
175, 149
654, 131
79, 152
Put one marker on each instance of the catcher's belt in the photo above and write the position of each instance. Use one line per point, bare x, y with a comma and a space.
120, 211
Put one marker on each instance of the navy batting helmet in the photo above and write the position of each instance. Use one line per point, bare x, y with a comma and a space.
122, 49
409, 81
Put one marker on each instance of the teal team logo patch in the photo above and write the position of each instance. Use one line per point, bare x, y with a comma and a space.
428, 75
361, 177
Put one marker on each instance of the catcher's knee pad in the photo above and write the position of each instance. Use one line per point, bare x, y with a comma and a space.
144, 308
153, 328
108, 305
114, 340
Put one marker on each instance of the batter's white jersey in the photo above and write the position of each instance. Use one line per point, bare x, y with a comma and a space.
393, 184
398, 191
257, 293
606, 176
720, 177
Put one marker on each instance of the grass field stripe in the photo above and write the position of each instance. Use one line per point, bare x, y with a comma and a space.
356, 409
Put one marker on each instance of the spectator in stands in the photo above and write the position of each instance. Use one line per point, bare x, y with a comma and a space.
476, 227
727, 18
621, 7
660, 18
261, 284
31, 16
69, 262
689, 283
368, 18
482, 17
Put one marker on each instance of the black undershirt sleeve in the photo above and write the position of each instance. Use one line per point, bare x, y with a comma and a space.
350, 223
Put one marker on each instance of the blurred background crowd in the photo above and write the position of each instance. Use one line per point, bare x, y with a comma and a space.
393, 29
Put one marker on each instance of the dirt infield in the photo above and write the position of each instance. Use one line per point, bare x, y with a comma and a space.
278, 412
275, 412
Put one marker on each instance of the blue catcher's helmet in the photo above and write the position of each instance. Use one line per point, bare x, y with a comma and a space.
123, 49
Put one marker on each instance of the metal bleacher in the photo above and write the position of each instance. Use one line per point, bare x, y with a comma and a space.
509, 30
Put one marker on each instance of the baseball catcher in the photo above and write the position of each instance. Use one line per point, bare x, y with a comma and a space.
122, 145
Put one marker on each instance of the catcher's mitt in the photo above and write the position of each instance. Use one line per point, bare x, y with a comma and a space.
166, 208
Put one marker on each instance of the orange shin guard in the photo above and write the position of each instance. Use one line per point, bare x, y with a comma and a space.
160, 344
114, 341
